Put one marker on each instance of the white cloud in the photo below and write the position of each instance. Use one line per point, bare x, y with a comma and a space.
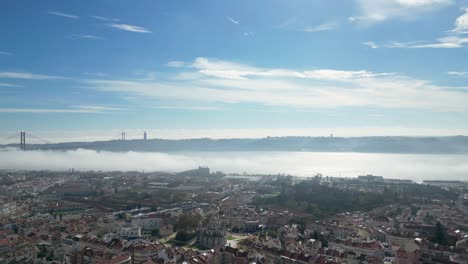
56, 13
457, 73
71, 109
230, 70
5, 53
190, 108
27, 75
371, 44
130, 28
84, 36
374, 11
42, 110
8, 85
449, 42
295, 24
97, 108
453, 38
176, 64
230, 82
461, 23
232, 20
322, 27
249, 34
105, 18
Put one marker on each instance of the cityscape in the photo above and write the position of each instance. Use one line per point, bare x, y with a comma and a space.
200, 216
234, 132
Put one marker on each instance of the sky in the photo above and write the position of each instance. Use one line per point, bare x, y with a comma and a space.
86, 70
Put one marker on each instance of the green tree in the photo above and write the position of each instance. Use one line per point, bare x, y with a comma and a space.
440, 235
315, 235
184, 236
324, 243
155, 232
188, 222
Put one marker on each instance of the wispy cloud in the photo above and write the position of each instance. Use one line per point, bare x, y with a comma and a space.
322, 27
295, 24
218, 81
56, 13
72, 109
371, 44
131, 28
43, 110
84, 36
232, 20
189, 108
27, 75
453, 39
105, 18
375, 11
9, 85
98, 108
457, 73
175, 64
249, 34
450, 42
98, 74
5, 53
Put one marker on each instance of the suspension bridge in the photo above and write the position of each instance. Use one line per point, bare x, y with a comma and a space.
11, 140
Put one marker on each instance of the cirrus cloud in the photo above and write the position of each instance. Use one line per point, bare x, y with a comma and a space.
131, 28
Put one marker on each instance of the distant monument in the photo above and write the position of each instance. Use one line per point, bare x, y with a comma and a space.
213, 236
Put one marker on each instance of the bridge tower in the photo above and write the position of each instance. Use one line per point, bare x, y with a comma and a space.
23, 140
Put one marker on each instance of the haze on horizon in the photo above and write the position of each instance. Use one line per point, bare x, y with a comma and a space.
305, 164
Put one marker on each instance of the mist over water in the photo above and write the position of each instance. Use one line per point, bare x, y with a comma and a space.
404, 166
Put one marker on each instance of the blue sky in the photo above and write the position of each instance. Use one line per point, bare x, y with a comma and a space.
234, 68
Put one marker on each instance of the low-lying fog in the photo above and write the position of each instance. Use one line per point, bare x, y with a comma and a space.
405, 166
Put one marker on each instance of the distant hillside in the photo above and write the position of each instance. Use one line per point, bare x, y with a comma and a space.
423, 145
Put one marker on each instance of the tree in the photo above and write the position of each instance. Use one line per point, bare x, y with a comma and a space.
188, 222
315, 235
184, 236
440, 235
122, 216
324, 243
155, 232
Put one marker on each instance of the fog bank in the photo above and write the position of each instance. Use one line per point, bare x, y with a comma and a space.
404, 166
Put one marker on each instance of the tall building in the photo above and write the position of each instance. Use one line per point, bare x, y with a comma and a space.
212, 236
